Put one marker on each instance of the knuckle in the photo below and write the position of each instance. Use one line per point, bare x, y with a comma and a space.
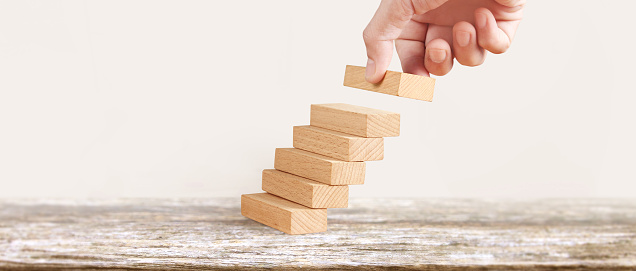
367, 36
403, 8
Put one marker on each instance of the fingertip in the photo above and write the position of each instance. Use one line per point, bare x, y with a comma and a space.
414, 65
373, 72
481, 20
370, 71
463, 33
489, 35
486, 12
439, 58
379, 55
437, 55
465, 47
411, 53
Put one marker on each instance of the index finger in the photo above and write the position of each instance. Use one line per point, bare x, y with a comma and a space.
385, 26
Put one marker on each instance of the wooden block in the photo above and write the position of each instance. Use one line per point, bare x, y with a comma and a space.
394, 83
319, 168
283, 215
304, 191
338, 145
355, 120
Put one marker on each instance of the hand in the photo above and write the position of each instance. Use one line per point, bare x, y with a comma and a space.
424, 30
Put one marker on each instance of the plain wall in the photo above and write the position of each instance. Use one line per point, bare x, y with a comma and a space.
190, 99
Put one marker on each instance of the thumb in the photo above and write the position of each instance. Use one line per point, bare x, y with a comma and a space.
385, 27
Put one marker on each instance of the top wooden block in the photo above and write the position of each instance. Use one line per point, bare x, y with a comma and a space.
355, 120
394, 83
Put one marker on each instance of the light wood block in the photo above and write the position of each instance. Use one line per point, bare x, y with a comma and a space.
283, 215
319, 168
394, 83
355, 120
338, 145
304, 191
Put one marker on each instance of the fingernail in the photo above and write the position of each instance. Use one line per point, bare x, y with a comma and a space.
437, 55
463, 38
480, 19
370, 71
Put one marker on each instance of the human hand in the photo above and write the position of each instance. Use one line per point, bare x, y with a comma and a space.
424, 30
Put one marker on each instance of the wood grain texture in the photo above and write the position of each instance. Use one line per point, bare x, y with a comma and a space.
372, 234
283, 215
394, 83
338, 145
355, 120
304, 191
319, 168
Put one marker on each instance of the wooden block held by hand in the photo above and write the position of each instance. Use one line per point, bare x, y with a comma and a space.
283, 215
304, 191
394, 83
355, 120
319, 168
338, 145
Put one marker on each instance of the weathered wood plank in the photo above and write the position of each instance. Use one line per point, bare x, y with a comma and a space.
197, 234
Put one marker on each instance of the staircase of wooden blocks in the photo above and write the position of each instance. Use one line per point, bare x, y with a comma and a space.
328, 156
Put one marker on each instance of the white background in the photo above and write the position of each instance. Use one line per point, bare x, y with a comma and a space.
190, 99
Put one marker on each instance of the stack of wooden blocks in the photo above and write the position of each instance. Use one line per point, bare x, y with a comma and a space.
328, 156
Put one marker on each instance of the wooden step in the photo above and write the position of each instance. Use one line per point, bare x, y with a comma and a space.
338, 145
283, 215
304, 191
319, 168
355, 120
394, 83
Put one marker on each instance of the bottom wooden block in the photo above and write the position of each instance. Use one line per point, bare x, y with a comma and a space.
283, 215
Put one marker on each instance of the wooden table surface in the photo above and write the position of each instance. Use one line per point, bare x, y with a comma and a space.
403, 234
